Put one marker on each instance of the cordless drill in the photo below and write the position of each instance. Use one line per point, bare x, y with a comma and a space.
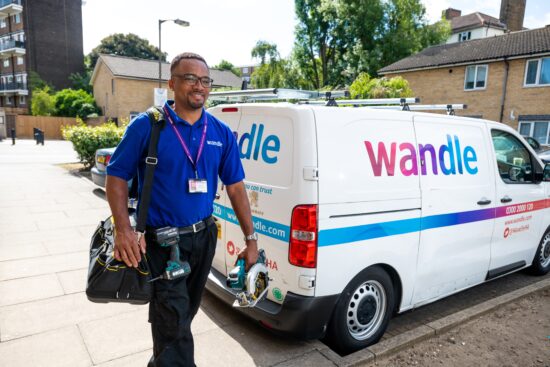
175, 268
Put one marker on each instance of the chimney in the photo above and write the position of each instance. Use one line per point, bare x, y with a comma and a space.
451, 13
512, 13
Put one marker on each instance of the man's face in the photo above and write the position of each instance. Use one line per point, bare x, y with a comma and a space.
189, 96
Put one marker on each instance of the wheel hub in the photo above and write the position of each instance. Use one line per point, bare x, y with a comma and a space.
366, 310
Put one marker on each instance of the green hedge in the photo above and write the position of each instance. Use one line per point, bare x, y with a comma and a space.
87, 139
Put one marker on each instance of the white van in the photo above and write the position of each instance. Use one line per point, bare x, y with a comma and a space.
365, 212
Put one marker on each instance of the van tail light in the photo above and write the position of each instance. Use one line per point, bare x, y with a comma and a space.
107, 159
303, 236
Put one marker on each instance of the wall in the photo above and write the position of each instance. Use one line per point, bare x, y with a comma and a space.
50, 125
446, 85
481, 32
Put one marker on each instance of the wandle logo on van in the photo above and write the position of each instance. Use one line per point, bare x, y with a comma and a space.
450, 158
251, 145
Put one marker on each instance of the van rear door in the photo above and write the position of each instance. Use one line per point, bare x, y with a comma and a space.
276, 142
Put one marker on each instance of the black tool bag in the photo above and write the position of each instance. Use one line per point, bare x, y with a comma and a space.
110, 280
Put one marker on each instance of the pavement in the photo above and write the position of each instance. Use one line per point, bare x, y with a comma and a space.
47, 216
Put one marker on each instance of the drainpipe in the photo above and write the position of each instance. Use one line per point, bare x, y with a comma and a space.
504, 83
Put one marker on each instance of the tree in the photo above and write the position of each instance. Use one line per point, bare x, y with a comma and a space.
226, 65
36, 82
338, 39
263, 50
82, 81
43, 103
73, 103
125, 45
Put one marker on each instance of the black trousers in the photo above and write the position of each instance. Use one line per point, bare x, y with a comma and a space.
176, 302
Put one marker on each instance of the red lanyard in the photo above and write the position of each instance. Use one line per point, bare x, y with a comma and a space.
182, 142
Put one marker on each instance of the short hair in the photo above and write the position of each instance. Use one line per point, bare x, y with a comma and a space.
186, 56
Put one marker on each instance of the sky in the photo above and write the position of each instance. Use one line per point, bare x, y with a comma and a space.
230, 29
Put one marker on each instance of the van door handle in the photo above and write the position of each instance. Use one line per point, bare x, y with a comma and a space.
506, 199
484, 201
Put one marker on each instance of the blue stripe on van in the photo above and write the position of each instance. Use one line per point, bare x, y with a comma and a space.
263, 226
336, 236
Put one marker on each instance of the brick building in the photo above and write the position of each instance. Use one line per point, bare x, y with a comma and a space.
503, 78
44, 36
124, 86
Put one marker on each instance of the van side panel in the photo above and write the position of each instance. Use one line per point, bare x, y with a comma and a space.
369, 197
458, 201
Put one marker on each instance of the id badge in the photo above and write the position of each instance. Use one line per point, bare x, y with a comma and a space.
197, 186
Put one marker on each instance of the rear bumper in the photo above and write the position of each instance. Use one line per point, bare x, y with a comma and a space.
300, 316
98, 177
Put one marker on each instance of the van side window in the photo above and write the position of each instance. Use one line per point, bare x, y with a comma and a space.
513, 158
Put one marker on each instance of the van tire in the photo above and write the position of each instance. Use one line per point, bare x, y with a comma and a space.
362, 312
541, 262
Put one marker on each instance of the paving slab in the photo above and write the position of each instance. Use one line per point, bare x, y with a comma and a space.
23, 290
310, 359
67, 245
118, 336
58, 348
22, 251
137, 359
35, 317
73, 281
13, 239
15, 269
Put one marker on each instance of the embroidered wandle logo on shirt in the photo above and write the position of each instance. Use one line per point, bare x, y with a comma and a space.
216, 143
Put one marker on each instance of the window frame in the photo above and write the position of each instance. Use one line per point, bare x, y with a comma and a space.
22, 100
468, 36
532, 160
537, 77
6, 63
532, 129
475, 77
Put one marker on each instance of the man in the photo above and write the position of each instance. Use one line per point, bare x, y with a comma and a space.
182, 196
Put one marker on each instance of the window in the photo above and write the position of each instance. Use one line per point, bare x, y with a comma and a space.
17, 18
513, 158
536, 129
476, 77
464, 36
20, 60
6, 63
537, 72
133, 115
8, 100
22, 100
3, 23
245, 70
113, 86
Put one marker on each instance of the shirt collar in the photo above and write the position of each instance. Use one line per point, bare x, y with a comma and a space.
169, 103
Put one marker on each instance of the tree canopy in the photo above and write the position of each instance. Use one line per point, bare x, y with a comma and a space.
336, 40
125, 45
226, 65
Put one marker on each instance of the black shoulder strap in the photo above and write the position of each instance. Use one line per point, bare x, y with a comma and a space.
157, 121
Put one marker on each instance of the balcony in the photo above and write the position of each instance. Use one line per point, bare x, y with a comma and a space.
18, 88
10, 7
12, 48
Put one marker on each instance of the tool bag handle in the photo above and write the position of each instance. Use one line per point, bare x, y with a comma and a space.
156, 116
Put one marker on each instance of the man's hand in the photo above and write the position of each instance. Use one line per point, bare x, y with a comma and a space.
127, 248
249, 254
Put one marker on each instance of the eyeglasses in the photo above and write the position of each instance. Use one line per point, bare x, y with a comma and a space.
192, 79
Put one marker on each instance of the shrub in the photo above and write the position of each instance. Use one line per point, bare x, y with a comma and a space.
365, 87
87, 139
74, 103
43, 103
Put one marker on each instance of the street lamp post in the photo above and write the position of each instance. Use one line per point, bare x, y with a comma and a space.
179, 22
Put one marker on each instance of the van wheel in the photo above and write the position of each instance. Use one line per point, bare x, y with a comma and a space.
541, 262
363, 311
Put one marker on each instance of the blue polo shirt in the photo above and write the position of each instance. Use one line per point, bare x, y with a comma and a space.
171, 203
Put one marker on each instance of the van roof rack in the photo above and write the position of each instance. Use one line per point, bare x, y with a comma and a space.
269, 94
328, 98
